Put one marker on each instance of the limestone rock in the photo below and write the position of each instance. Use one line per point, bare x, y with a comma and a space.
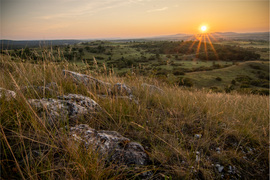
118, 88
70, 106
82, 78
8, 94
111, 145
52, 85
152, 88
122, 89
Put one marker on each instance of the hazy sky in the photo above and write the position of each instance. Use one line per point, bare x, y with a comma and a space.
86, 19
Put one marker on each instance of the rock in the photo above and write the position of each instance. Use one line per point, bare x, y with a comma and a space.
8, 94
81, 100
52, 85
111, 145
82, 78
219, 167
197, 156
232, 170
118, 88
198, 136
121, 89
59, 110
152, 88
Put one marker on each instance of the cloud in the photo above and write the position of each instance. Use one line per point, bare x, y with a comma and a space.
81, 8
155, 10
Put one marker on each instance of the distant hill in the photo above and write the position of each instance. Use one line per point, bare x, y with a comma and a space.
218, 36
10, 44
264, 36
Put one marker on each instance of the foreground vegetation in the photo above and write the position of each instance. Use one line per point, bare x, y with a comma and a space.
188, 133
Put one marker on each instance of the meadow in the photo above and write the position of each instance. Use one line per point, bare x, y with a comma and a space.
187, 132
240, 66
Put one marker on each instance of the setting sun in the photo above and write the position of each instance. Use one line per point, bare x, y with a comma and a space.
203, 28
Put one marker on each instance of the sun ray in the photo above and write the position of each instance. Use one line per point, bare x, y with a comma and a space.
205, 47
186, 41
219, 36
198, 47
190, 47
210, 42
212, 37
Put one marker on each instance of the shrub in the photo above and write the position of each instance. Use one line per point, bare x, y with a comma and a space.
261, 92
260, 83
254, 66
185, 82
218, 79
229, 88
244, 86
233, 82
243, 78
177, 72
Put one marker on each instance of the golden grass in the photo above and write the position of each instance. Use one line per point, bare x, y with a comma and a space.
165, 124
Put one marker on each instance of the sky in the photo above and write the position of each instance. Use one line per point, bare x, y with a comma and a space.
91, 19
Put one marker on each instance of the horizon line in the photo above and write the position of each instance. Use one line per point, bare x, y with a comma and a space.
124, 38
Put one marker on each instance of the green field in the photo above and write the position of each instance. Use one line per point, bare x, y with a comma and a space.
171, 62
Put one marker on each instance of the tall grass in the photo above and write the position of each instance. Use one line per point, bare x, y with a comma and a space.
166, 124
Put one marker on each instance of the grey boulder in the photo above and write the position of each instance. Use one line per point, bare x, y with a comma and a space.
8, 94
111, 145
71, 106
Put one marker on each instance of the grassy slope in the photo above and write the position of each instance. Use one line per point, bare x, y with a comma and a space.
164, 123
207, 78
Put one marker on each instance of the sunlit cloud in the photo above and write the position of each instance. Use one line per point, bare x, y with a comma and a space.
155, 10
87, 8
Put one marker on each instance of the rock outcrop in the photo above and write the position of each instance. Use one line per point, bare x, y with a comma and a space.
116, 89
71, 106
152, 88
121, 89
87, 80
110, 144
8, 94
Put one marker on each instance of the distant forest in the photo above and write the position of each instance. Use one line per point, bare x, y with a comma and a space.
205, 52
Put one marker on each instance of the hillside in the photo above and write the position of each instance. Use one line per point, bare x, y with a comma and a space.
89, 123
242, 74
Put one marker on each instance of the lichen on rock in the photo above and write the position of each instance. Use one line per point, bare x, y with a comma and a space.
86, 79
121, 89
71, 106
110, 144
152, 88
8, 94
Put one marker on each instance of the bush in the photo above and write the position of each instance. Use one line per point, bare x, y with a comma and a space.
233, 82
261, 92
185, 82
218, 79
254, 66
260, 83
177, 72
244, 86
229, 88
243, 78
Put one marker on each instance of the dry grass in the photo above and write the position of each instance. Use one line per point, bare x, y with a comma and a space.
165, 124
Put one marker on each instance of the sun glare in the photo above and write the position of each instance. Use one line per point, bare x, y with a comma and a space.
203, 28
